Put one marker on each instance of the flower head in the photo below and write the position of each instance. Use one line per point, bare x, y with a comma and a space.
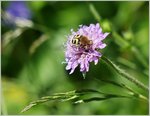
18, 9
17, 12
82, 47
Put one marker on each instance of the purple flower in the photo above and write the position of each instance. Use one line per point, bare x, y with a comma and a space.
16, 12
78, 53
18, 9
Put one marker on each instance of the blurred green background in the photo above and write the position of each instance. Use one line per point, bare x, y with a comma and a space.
31, 57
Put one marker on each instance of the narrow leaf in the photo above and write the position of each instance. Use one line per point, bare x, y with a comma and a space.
124, 74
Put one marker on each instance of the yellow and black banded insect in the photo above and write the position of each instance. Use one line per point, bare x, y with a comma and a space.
81, 41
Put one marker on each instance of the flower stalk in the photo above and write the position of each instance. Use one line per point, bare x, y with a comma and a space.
123, 74
131, 92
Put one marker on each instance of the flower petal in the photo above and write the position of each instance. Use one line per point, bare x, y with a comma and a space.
105, 35
102, 46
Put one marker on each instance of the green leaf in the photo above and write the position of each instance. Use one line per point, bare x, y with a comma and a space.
76, 96
124, 74
130, 90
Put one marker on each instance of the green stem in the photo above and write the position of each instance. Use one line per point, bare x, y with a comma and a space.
123, 86
123, 74
135, 94
94, 12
